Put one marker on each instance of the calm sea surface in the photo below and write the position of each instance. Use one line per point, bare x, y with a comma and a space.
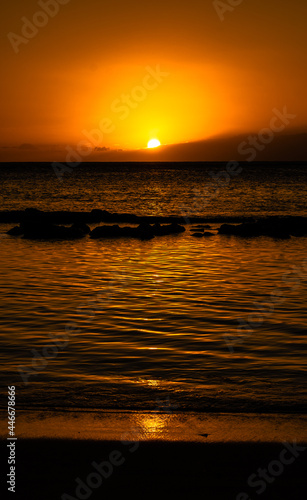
216, 324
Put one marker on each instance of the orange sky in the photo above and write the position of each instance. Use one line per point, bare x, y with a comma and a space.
94, 61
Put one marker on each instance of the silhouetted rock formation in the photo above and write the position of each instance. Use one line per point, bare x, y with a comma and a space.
168, 229
202, 235
97, 215
275, 227
106, 232
144, 231
82, 227
15, 231
37, 224
40, 230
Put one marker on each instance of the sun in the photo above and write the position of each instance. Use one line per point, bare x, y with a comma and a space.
153, 143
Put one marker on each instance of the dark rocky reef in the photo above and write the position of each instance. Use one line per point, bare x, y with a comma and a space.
16, 231
200, 231
143, 231
197, 235
173, 228
37, 224
97, 215
41, 230
274, 227
202, 235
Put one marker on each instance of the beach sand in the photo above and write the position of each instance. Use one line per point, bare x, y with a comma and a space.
169, 465
47, 469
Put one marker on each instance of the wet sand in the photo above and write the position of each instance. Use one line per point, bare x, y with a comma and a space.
169, 426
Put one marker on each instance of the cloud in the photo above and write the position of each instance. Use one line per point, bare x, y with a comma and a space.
102, 149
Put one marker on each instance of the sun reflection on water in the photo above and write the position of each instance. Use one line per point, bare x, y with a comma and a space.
152, 425
149, 382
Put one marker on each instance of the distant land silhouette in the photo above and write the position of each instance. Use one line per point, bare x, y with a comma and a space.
283, 147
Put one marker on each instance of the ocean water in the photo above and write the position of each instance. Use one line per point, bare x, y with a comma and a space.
178, 323
157, 189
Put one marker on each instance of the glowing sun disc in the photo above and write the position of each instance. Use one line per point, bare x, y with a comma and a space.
153, 143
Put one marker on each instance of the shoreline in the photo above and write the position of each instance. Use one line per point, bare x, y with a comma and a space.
158, 425
156, 455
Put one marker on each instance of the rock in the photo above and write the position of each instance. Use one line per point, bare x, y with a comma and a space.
278, 233
106, 232
98, 215
173, 228
247, 229
297, 226
15, 231
82, 227
176, 228
158, 230
72, 233
273, 227
39, 230
201, 235
291, 226
128, 232
33, 213
142, 232
226, 229
145, 232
